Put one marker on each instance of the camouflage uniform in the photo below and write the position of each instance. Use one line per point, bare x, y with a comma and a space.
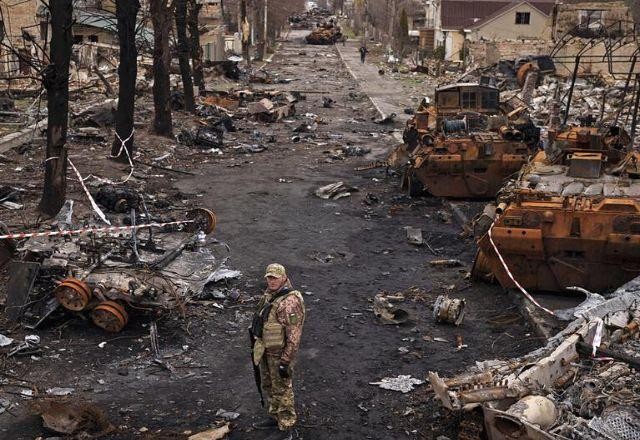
278, 346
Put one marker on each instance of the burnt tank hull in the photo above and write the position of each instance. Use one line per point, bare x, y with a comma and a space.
466, 145
471, 167
571, 218
556, 243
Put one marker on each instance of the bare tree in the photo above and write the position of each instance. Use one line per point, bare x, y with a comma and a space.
245, 26
183, 55
161, 16
56, 82
126, 13
193, 13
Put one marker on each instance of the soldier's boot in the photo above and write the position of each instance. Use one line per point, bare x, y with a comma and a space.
266, 423
281, 435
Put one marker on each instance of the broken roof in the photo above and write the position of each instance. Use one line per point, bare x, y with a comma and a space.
461, 14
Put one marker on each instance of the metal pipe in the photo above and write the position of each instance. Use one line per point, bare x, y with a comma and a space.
634, 120
573, 83
626, 88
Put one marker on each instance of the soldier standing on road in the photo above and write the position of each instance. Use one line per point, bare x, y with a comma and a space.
363, 53
276, 330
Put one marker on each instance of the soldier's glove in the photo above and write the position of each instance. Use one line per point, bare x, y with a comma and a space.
283, 371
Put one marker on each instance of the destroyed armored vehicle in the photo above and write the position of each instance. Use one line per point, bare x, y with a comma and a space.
110, 272
570, 218
466, 145
325, 34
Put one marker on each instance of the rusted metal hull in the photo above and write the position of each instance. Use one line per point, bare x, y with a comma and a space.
469, 167
558, 242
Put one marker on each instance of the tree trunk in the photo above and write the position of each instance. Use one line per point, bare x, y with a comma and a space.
193, 11
126, 12
56, 82
183, 55
259, 21
161, 15
246, 31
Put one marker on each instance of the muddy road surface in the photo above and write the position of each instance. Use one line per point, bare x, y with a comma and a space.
339, 253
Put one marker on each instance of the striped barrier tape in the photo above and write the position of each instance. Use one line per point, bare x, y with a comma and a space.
108, 229
510, 275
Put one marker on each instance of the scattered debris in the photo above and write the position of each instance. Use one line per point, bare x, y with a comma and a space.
73, 417
414, 235
4, 341
446, 263
384, 307
57, 391
449, 310
212, 434
335, 191
403, 383
227, 415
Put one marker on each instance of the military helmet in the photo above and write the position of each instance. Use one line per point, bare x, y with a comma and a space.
275, 270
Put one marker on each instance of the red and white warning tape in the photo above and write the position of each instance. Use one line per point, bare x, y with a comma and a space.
108, 229
510, 275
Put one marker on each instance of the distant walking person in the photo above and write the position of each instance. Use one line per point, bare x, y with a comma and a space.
363, 53
275, 332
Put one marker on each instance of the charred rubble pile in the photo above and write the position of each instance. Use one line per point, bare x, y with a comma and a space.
218, 114
533, 82
583, 384
133, 263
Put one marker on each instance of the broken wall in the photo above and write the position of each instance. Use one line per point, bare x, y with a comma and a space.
488, 53
572, 18
594, 25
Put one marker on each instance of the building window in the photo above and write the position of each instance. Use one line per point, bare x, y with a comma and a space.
490, 100
523, 17
78, 39
469, 99
93, 38
448, 99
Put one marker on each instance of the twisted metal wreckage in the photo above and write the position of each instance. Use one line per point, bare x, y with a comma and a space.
110, 272
581, 385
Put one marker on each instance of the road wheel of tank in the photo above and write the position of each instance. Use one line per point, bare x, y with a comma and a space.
110, 316
412, 185
203, 220
481, 270
73, 294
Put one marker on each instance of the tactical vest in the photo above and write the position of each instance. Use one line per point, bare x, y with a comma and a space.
273, 333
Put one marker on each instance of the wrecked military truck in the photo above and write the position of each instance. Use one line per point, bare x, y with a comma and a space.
465, 145
144, 265
570, 218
